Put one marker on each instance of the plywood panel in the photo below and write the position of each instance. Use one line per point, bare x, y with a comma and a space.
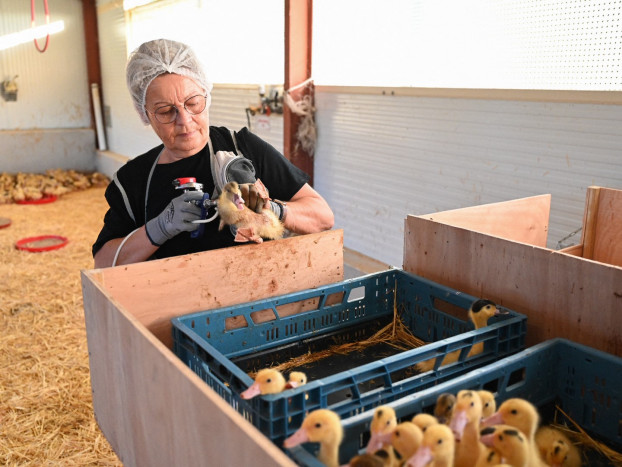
523, 220
149, 405
157, 291
603, 225
562, 295
152, 409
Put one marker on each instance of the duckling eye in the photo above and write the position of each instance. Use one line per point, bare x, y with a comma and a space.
472, 403
269, 380
388, 422
440, 441
514, 412
318, 425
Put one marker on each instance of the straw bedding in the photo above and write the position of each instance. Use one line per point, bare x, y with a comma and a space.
46, 414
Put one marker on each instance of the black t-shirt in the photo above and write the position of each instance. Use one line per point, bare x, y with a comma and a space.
281, 178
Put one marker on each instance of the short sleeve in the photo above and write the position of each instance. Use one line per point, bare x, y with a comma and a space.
117, 221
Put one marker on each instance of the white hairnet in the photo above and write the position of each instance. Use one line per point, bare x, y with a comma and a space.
153, 58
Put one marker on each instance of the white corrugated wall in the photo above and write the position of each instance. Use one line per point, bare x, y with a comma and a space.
382, 157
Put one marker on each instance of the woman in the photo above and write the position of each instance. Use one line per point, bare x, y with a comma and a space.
148, 217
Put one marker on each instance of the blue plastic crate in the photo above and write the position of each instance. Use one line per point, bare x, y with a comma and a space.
225, 344
584, 382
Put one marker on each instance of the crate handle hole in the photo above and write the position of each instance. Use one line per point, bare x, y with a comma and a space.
357, 293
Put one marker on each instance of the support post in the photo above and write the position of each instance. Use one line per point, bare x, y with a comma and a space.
298, 37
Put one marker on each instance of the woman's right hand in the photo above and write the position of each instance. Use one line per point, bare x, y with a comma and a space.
176, 218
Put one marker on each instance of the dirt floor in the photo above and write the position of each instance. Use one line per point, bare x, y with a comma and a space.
46, 414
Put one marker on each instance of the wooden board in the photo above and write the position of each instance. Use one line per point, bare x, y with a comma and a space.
156, 291
561, 294
154, 410
602, 226
522, 220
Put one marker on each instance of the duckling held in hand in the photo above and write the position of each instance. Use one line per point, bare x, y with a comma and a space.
524, 416
267, 381
321, 426
296, 379
436, 449
479, 313
444, 407
251, 226
556, 448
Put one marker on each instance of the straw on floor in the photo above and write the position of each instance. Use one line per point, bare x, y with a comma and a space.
46, 414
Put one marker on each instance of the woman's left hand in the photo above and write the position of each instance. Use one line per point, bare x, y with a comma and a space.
252, 197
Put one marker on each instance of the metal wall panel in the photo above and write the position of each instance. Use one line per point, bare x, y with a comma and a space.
52, 89
380, 158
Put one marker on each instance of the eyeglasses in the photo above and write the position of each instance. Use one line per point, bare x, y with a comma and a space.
168, 113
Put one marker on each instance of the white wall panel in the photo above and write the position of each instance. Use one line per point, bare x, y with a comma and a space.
229, 109
53, 90
380, 158
125, 132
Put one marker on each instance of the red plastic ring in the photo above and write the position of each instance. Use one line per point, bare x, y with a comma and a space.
4, 222
44, 240
44, 200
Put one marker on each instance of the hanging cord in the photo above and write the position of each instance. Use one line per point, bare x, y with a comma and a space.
307, 132
116, 256
47, 22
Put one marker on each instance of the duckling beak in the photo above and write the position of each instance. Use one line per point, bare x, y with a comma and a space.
494, 419
252, 391
422, 457
299, 437
487, 440
501, 311
458, 422
376, 441
238, 201
292, 385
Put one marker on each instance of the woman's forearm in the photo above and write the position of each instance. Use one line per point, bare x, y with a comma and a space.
135, 249
308, 212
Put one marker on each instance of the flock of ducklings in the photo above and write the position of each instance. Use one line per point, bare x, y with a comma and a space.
466, 430
55, 182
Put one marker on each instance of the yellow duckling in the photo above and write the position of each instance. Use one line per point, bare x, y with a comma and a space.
524, 416
406, 439
444, 407
479, 313
465, 423
489, 405
296, 379
510, 445
556, 449
251, 226
382, 425
424, 420
436, 449
267, 381
321, 426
